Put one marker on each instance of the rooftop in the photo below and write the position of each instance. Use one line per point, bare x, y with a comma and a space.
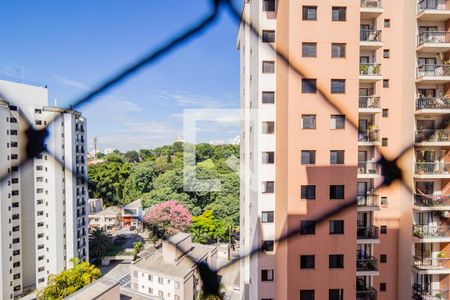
109, 211
95, 289
135, 204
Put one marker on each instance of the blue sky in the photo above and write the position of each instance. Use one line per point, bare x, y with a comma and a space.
73, 45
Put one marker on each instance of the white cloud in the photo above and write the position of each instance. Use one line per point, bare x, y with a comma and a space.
186, 99
71, 83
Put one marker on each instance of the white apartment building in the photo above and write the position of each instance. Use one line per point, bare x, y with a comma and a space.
43, 208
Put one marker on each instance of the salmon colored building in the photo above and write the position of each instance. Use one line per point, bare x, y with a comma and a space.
385, 68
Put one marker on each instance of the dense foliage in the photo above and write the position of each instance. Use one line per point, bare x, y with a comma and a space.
100, 242
69, 281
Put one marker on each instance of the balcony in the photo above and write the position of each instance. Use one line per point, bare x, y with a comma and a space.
367, 234
367, 202
432, 170
433, 105
368, 169
433, 73
431, 233
433, 42
366, 266
370, 39
433, 10
371, 9
433, 137
366, 294
431, 202
369, 137
423, 293
427, 265
369, 73
369, 104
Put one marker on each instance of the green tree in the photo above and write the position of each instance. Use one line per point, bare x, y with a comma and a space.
226, 207
69, 281
139, 181
207, 228
132, 156
100, 242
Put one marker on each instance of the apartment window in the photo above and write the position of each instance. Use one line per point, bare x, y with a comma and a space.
387, 23
337, 191
176, 297
336, 261
268, 157
15, 180
16, 240
385, 83
160, 293
40, 246
337, 50
150, 291
13, 120
338, 13
384, 142
13, 132
38, 111
337, 122
308, 227
268, 187
308, 157
385, 112
16, 264
308, 192
268, 67
268, 97
384, 202
16, 252
177, 285
268, 127
307, 295
269, 5
383, 258
309, 86
15, 217
336, 294
383, 229
40, 235
268, 36
267, 246
267, 275
308, 121
309, 49
307, 261
309, 13
160, 280
17, 288
382, 286
386, 53
16, 228
15, 204
338, 86
38, 122
16, 276
267, 216
336, 157
336, 226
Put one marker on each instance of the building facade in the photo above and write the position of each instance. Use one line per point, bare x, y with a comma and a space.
384, 66
44, 200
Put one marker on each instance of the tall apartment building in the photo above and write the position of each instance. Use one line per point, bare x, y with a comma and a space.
385, 65
43, 202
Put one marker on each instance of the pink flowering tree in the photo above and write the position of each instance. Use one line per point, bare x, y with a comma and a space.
167, 218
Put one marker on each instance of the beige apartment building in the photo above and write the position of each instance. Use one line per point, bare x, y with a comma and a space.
385, 66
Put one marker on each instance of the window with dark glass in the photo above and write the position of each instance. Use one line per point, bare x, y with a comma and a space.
307, 261
308, 121
309, 49
337, 50
267, 275
309, 13
336, 261
309, 86
268, 36
268, 157
308, 192
337, 157
338, 13
268, 127
267, 246
337, 122
267, 216
336, 226
336, 294
337, 86
268, 97
268, 67
269, 5
308, 227
308, 157
268, 187
337, 192
307, 295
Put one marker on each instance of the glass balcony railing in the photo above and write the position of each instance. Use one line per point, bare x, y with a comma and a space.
370, 69
432, 5
366, 293
421, 292
431, 200
433, 37
371, 4
431, 231
369, 232
369, 102
433, 70
364, 264
428, 263
432, 168
370, 35
367, 167
367, 200
433, 103
370, 135
432, 135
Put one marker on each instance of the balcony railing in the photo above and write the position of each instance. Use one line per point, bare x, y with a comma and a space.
367, 200
433, 103
431, 231
432, 5
371, 4
432, 135
369, 102
370, 35
433, 37
423, 293
370, 232
371, 69
433, 70
432, 200
427, 263
370, 135
432, 168
368, 263
367, 167
366, 294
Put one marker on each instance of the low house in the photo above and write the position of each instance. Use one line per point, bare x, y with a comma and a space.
95, 205
107, 218
132, 214
170, 272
